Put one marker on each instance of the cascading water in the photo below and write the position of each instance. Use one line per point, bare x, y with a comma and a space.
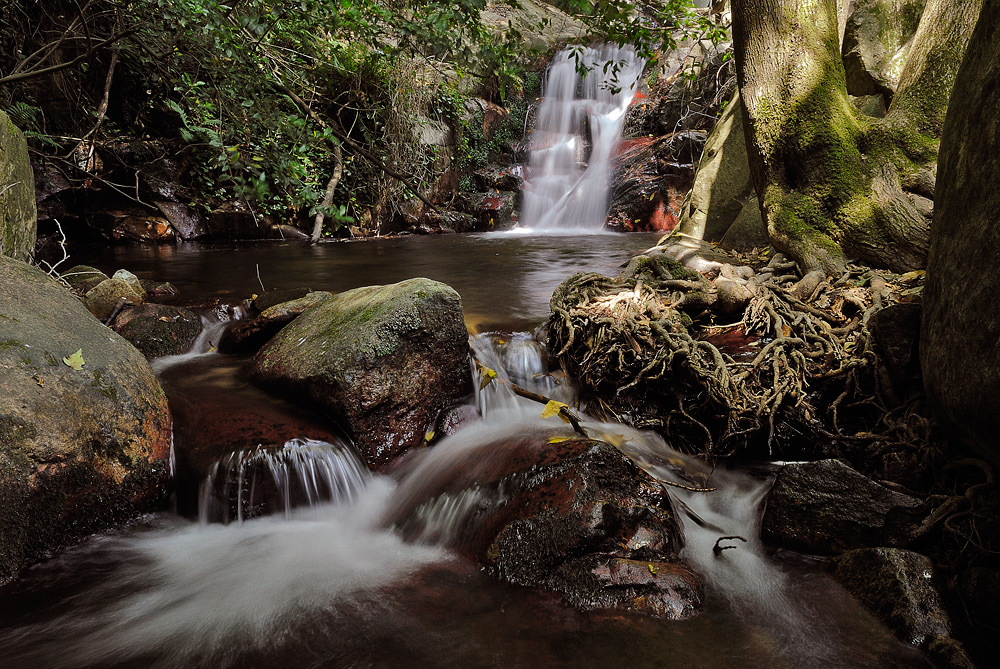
260, 481
587, 93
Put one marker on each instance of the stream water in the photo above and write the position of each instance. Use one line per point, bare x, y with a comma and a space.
332, 585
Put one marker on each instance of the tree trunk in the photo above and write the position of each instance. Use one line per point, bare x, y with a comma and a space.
831, 182
960, 328
331, 186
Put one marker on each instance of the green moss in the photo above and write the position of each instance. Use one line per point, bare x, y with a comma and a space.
105, 387
15, 438
8, 344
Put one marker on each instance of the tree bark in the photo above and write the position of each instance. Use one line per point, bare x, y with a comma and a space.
960, 328
331, 186
830, 181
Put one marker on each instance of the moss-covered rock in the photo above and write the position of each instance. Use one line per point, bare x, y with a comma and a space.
80, 449
102, 299
17, 194
82, 278
383, 360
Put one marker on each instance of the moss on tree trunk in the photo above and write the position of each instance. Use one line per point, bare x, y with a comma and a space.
831, 182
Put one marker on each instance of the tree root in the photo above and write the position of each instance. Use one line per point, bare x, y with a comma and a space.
633, 341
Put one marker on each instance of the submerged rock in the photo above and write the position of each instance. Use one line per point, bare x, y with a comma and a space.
826, 507
84, 426
157, 329
574, 516
382, 360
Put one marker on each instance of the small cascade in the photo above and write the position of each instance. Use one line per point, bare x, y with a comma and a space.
213, 324
568, 185
258, 481
519, 359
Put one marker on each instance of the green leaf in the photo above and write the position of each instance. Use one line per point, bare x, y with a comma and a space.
75, 360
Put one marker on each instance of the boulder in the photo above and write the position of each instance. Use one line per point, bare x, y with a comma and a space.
826, 507
960, 322
648, 182
84, 439
82, 278
722, 184
382, 360
17, 194
103, 299
898, 587
876, 43
247, 336
157, 329
569, 515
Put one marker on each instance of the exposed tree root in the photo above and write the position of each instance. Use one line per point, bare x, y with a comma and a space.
638, 342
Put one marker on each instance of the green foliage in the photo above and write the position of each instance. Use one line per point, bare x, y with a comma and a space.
215, 73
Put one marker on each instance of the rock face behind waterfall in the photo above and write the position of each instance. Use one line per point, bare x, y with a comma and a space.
382, 360
80, 449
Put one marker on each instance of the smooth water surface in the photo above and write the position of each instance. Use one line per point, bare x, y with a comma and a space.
505, 280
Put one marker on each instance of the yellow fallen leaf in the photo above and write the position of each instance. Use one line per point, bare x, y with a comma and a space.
39, 380
75, 360
488, 376
429, 436
552, 408
652, 569
558, 440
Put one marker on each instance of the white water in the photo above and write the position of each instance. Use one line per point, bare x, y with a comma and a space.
213, 324
579, 125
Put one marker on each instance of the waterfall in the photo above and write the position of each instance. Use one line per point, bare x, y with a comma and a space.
568, 183
256, 481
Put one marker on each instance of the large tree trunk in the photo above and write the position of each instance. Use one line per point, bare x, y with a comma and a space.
831, 182
960, 330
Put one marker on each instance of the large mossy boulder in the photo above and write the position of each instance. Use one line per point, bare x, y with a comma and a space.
84, 439
17, 194
384, 361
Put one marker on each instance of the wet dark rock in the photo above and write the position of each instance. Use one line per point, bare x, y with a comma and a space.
82, 278
157, 329
132, 224
80, 449
662, 589
826, 507
249, 335
574, 516
269, 298
158, 288
495, 178
896, 332
898, 586
495, 211
188, 223
104, 298
382, 360
648, 185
